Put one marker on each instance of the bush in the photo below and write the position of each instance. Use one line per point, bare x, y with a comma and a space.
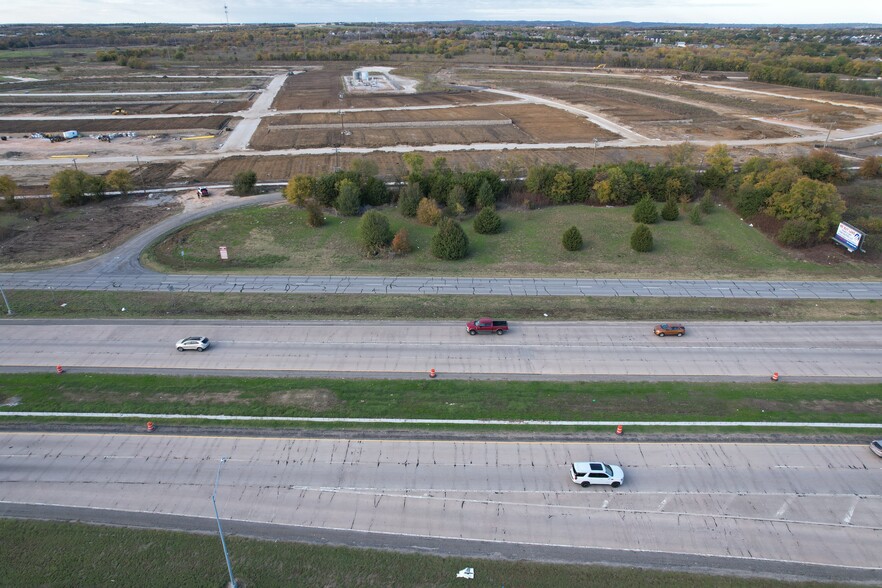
645, 211
72, 187
120, 180
244, 183
450, 242
300, 189
409, 200
706, 203
871, 167
8, 188
749, 201
695, 215
572, 239
314, 215
798, 233
641, 239
373, 232
670, 211
486, 198
348, 201
428, 212
401, 242
458, 199
487, 222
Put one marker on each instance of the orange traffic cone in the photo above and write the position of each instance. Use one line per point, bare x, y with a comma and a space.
432, 373
775, 377
150, 427
59, 369
619, 430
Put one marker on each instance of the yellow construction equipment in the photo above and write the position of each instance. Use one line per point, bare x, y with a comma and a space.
601, 66
120, 111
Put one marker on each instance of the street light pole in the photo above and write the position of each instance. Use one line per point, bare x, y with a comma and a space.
8, 308
217, 518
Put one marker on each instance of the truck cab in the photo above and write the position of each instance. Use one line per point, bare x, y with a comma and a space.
486, 325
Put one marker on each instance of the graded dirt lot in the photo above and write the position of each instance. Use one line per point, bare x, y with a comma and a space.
115, 125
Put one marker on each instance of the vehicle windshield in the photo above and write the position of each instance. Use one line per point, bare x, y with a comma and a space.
608, 471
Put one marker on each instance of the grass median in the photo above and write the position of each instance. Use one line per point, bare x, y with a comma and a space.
441, 399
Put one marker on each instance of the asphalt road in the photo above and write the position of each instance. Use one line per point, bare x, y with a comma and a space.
547, 350
771, 508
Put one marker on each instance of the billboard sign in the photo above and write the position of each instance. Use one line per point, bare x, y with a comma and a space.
849, 237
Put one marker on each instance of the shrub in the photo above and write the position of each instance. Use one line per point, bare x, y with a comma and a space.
244, 183
348, 202
695, 215
120, 180
314, 215
707, 202
487, 222
641, 239
486, 197
749, 201
373, 232
72, 187
8, 187
409, 200
871, 167
645, 211
458, 199
428, 212
670, 211
572, 239
401, 242
450, 242
798, 233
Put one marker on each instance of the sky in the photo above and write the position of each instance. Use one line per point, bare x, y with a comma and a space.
317, 11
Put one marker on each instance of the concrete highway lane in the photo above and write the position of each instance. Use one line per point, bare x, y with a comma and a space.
548, 350
766, 504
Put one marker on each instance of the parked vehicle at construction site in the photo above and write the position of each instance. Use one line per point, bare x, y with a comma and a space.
486, 325
201, 192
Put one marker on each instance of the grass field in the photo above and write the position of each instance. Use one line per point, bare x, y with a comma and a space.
276, 240
444, 399
39, 553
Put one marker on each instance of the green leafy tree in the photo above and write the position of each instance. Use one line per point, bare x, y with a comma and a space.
871, 167
695, 215
671, 210
487, 222
414, 162
798, 232
450, 242
409, 199
348, 201
315, 217
612, 186
458, 199
562, 188
572, 239
822, 165
706, 204
641, 239
120, 180
373, 232
645, 211
810, 200
720, 167
72, 187
244, 183
681, 154
300, 189
428, 212
486, 198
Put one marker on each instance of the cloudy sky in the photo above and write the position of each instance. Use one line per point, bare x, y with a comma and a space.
310, 11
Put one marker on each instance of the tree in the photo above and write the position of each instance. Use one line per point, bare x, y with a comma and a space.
720, 167
681, 154
73, 187
822, 164
428, 212
485, 197
670, 211
645, 211
409, 199
798, 232
457, 199
244, 183
871, 167
641, 239
414, 162
562, 188
572, 239
300, 189
612, 186
120, 180
348, 201
8, 188
401, 242
314, 215
812, 201
487, 222
373, 232
706, 203
450, 242
695, 215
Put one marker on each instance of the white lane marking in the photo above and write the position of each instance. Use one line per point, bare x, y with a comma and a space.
661, 506
783, 509
847, 519
605, 503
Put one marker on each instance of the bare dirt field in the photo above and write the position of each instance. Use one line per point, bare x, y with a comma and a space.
40, 106
115, 125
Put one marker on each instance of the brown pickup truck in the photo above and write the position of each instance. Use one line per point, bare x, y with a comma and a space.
486, 325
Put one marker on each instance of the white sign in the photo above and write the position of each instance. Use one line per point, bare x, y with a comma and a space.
849, 236
223, 252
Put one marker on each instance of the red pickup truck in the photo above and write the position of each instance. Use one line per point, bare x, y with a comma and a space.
486, 325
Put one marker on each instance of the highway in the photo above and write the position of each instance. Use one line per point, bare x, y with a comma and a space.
710, 351
762, 508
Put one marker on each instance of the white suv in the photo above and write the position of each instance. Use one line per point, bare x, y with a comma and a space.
595, 472
197, 343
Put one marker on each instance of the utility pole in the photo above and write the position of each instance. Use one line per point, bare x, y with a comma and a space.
217, 518
829, 130
141, 175
595, 153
